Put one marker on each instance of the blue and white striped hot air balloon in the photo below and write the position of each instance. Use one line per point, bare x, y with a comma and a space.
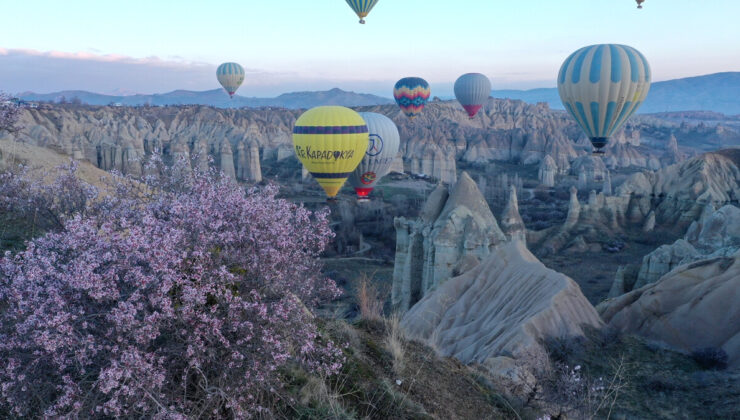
362, 7
601, 86
231, 76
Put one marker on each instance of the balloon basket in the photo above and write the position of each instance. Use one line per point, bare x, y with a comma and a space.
598, 152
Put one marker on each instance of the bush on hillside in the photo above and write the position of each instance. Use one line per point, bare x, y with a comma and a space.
178, 300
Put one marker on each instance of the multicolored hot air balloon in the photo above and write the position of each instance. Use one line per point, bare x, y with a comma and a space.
362, 7
381, 151
330, 141
231, 76
472, 91
411, 94
601, 86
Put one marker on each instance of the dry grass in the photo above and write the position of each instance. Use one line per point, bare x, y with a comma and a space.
371, 307
394, 342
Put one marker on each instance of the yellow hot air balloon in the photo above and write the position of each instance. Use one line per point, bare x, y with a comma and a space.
330, 141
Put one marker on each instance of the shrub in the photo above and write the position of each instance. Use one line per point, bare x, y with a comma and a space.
710, 358
184, 304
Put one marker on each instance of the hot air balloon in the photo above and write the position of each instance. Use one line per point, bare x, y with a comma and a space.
231, 76
330, 141
601, 86
639, 3
362, 7
472, 91
381, 151
411, 94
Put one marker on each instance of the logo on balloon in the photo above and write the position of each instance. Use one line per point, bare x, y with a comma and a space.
368, 178
375, 145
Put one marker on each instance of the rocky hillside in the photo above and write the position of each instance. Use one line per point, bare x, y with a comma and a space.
435, 143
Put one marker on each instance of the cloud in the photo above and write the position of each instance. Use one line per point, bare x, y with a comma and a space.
94, 55
50, 71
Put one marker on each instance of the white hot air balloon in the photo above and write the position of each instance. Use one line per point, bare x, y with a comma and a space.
231, 76
472, 91
381, 151
601, 86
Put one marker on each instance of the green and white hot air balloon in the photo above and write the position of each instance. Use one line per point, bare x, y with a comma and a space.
382, 149
362, 7
231, 76
601, 86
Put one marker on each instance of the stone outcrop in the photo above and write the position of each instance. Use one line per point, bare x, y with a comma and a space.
592, 166
714, 234
695, 306
606, 188
433, 143
678, 193
504, 307
669, 199
511, 221
548, 170
454, 231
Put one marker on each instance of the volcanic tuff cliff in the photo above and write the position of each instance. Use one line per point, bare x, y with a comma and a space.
694, 306
455, 230
672, 197
433, 143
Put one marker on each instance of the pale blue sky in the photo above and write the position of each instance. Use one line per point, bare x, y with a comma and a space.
314, 44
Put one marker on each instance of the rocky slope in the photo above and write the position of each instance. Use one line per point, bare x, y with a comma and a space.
695, 306
714, 234
503, 307
671, 199
433, 144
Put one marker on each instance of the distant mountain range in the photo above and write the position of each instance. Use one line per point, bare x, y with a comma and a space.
216, 97
719, 92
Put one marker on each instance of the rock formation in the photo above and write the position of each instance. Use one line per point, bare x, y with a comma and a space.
547, 171
511, 221
695, 306
678, 193
715, 234
671, 199
593, 167
503, 307
582, 179
454, 231
607, 187
507, 130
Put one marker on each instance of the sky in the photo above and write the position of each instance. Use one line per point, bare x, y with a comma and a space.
156, 46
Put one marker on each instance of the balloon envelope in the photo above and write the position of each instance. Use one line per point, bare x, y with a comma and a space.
231, 76
362, 7
411, 94
382, 149
330, 141
601, 86
472, 91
